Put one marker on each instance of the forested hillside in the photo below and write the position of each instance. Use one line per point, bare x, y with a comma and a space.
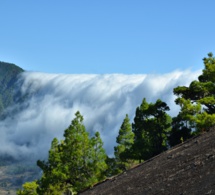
8, 78
79, 161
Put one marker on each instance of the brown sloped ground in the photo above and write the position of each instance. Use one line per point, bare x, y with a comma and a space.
188, 168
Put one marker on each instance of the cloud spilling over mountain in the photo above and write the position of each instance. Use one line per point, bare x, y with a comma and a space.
103, 100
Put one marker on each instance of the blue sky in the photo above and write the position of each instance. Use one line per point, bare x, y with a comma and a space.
114, 36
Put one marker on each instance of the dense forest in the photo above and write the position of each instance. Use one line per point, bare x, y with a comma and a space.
79, 160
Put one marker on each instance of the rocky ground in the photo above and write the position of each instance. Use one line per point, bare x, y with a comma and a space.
186, 169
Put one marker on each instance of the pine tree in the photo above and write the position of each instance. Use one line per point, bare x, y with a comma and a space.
151, 127
125, 140
140, 129
161, 123
29, 188
198, 100
76, 150
75, 163
53, 178
99, 156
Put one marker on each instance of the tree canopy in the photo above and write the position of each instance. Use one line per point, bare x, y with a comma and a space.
79, 161
197, 101
151, 126
74, 163
125, 141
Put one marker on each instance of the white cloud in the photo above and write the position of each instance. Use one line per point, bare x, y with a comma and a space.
103, 100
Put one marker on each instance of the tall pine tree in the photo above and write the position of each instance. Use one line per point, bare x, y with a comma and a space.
98, 155
75, 163
125, 140
197, 101
151, 126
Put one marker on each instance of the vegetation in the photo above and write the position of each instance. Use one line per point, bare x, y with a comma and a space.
74, 163
151, 127
198, 100
79, 161
29, 188
125, 141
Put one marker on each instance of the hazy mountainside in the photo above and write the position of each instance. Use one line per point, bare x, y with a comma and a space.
49, 102
8, 84
44, 104
185, 169
13, 173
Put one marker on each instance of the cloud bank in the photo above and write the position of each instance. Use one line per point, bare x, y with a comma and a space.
103, 100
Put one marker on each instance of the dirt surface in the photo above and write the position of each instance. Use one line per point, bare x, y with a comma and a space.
186, 169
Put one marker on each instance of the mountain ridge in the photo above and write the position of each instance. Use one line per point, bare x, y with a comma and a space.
13, 173
8, 81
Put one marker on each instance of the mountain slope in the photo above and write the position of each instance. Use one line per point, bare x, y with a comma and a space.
8, 78
185, 169
13, 173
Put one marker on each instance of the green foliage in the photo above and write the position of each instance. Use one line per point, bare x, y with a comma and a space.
52, 171
189, 111
78, 161
112, 167
98, 155
198, 100
151, 126
125, 141
29, 188
204, 121
75, 163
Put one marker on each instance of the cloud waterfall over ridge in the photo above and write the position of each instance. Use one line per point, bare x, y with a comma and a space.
103, 100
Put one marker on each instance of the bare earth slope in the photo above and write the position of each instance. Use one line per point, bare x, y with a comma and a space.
188, 168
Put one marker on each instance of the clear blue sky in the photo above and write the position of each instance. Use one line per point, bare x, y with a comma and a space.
112, 36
